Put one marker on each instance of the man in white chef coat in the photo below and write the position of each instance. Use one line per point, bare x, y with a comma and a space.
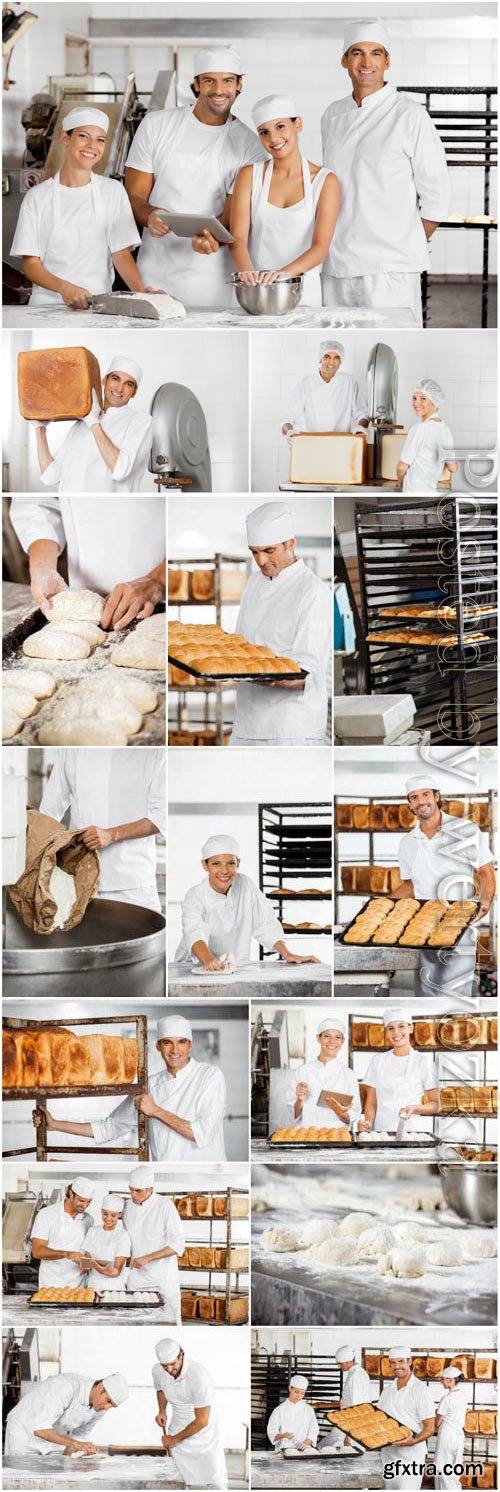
53, 1415
324, 1093
108, 450
411, 1403
439, 858
328, 399
394, 186
185, 1104
58, 1236
193, 1436
356, 1388
226, 912
123, 537
158, 1240
119, 809
185, 161
286, 607
293, 1424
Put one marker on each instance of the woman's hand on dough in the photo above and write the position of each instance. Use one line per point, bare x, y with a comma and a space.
131, 600
44, 584
95, 838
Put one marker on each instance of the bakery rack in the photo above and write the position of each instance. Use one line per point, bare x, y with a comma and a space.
214, 690
101, 1090
479, 1448
469, 137
434, 551
295, 844
367, 1036
232, 1288
270, 1379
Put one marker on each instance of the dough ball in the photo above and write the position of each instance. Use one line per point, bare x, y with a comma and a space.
140, 652
41, 684
75, 606
317, 1229
137, 691
421, 1199
480, 1245
88, 630
410, 1233
280, 1240
19, 702
445, 1251
355, 1223
151, 626
52, 642
375, 1241
83, 732
339, 1252
11, 724
403, 1263
115, 709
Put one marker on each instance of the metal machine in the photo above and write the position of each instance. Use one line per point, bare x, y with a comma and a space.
382, 397
20, 1209
180, 454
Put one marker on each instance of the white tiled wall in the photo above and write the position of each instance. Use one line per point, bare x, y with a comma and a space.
463, 362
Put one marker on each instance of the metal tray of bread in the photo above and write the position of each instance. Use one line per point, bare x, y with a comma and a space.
407, 637
369, 943
128, 1302
356, 1143
344, 1419
63, 1305
350, 1454
221, 678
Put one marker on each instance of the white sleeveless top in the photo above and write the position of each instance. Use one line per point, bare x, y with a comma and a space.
278, 235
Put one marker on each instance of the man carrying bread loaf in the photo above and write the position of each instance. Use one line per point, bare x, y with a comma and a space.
440, 858
410, 1402
58, 1236
325, 1092
287, 608
108, 450
328, 399
53, 1415
226, 912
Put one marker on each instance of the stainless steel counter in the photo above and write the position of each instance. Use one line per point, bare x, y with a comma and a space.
34, 1473
263, 1151
349, 959
270, 1470
266, 980
17, 1312
313, 317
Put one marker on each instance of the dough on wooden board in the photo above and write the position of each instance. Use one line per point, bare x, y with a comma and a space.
339, 1252
50, 642
20, 701
355, 1223
145, 652
75, 606
63, 891
41, 684
375, 1241
316, 1230
279, 1240
403, 1263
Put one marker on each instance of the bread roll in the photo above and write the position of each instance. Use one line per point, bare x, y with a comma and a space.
392, 928
423, 924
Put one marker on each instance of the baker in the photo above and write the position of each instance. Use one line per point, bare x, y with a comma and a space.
193, 1438
53, 1416
108, 450
440, 858
395, 1081
328, 399
77, 221
429, 444
119, 809
293, 1424
287, 608
185, 1104
59, 1233
356, 1389
450, 1426
125, 536
394, 185
226, 911
157, 1238
324, 1092
107, 1246
409, 1401
185, 161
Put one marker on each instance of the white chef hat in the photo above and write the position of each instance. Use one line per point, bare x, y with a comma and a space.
83, 1186
451, 1373
345, 1354
85, 114
274, 106
117, 1387
220, 844
167, 1350
396, 1352
142, 1176
332, 1023
363, 30
337, 347
423, 780
298, 1381
173, 1025
124, 364
431, 389
270, 523
112, 1202
398, 1015
217, 60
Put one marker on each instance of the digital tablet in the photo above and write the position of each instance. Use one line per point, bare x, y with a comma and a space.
186, 224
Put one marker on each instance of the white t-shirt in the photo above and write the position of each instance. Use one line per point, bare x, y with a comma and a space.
61, 1231
78, 247
444, 865
106, 1245
428, 445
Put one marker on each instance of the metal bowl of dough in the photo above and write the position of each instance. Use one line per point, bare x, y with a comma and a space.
471, 1190
269, 300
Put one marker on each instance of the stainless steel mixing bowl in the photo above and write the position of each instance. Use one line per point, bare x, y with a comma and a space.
269, 300
471, 1191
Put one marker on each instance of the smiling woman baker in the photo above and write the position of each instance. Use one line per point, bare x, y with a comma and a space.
396, 1081
325, 1091
224, 912
76, 222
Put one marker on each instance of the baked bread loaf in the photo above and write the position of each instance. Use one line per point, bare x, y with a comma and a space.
202, 585
487, 1421
424, 1033
372, 1364
377, 816
486, 1475
213, 652
344, 815
376, 1036
392, 820
368, 920
361, 815
435, 1366
60, 1058
393, 926
359, 1034
419, 1367
189, 1305
57, 383
412, 638
462, 1031
484, 1367
471, 1425
424, 922
178, 584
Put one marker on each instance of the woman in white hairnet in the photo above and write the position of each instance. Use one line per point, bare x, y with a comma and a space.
395, 1081
77, 222
108, 450
226, 911
293, 1424
429, 445
450, 1425
328, 399
283, 211
324, 1092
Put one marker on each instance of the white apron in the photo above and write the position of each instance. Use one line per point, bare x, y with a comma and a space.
60, 1231
278, 235
398, 1404
298, 1419
106, 1245
199, 1460
450, 1439
106, 542
153, 1225
402, 1082
121, 791
189, 182
64, 247
426, 447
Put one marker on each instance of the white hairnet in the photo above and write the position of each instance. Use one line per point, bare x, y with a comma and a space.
112, 1203
117, 1387
124, 364
337, 347
431, 389
173, 1025
220, 844
85, 114
298, 1381
142, 1176
374, 31
217, 60
167, 1350
398, 1015
83, 1186
270, 523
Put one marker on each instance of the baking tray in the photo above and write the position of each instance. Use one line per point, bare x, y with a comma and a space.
355, 1143
333, 1456
102, 1305
331, 1417
220, 678
448, 947
62, 1305
306, 830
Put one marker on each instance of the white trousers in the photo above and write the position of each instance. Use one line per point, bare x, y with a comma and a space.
454, 977
449, 1452
378, 291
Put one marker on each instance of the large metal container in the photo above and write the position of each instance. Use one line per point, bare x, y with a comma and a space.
269, 300
118, 949
471, 1191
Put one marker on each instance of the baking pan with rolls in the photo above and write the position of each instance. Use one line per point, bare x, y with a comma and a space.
408, 923
371, 1427
208, 652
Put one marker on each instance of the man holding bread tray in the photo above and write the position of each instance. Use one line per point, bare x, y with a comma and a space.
411, 1403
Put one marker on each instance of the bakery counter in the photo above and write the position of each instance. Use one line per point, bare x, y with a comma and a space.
305, 317
354, 958
116, 1472
270, 1470
266, 979
365, 489
264, 1151
18, 1312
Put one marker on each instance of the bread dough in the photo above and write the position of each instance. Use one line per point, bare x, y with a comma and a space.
421, 1199
375, 1241
63, 891
403, 1263
140, 652
410, 1233
316, 1230
151, 626
138, 691
75, 606
279, 1240
88, 630
480, 1244
82, 732
41, 684
373, 1135
116, 709
339, 1252
52, 642
445, 1251
355, 1223
19, 701
11, 723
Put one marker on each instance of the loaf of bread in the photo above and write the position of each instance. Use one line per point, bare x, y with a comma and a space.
60, 1059
392, 928
361, 815
471, 1425
377, 816
344, 815
372, 1364
239, 1206
57, 383
364, 879
494, 1030
359, 1034
463, 1362
189, 1305
203, 1206
392, 820
376, 1036
419, 1367
238, 1309
386, 1367
328, 458
186, 1206
435, 1366
486, 1475
462, 1031
424, 1033
178, 584
348, 877
206, 1307
484, 1368
202, 585
487, 1421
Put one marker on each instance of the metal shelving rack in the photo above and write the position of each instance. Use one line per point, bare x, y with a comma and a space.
214, 691
231, 1290
280, 857
439, 1053
478, 1448
469, 137
442, 551
270, 1379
